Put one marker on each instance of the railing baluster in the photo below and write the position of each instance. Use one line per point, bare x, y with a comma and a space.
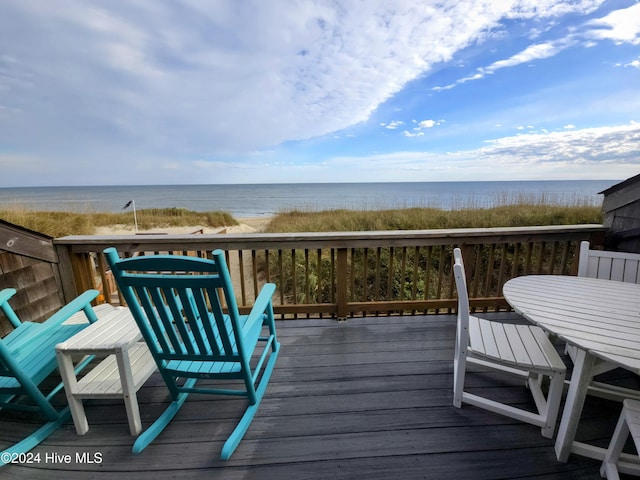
414, 279
540, 262
243, 288
281, 270
341, 284
488, 286
377, 282
254, 273
294, 280
307, 278
564, 260
365, 274
390, 274
319, 274
427, 275
503, 261
352, 276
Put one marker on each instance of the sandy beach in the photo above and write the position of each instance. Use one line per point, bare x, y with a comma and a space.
246, 225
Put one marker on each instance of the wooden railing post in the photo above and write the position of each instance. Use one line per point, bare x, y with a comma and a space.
341, 284
66, 272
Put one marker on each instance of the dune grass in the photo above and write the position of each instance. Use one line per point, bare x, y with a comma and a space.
59, 224
513, 212
517, 215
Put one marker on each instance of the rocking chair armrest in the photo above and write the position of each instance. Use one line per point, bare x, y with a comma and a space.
261, 304
29, 332
81, 302
5, 295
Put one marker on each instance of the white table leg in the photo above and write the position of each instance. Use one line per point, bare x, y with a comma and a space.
66, 368
129, 391
578, 386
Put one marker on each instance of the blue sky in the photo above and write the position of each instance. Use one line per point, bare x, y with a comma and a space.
190, 92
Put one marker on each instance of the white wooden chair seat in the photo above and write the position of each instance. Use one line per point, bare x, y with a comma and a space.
615, 460
522, 350
524, 347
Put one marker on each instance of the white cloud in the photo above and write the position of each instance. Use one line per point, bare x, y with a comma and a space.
393, 124
621, 26
417, 131
428, 124
633, 64
414, 133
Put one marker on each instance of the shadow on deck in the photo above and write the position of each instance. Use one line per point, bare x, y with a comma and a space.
370, 398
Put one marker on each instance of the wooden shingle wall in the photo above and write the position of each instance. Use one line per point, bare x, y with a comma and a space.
28, 263
621, 208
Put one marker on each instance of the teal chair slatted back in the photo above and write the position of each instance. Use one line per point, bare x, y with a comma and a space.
179, 304
187, 312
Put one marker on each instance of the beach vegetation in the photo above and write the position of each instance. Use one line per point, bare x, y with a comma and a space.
60, 224
515, 215
512, 213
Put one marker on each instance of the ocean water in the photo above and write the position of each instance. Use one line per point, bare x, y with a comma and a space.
244, 201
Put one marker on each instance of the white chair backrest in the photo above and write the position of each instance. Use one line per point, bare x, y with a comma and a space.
463, 300
618, 266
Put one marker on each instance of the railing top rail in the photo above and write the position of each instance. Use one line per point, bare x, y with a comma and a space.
89, 243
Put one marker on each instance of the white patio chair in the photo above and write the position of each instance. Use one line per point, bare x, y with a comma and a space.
629, 422
522, 350
616, 266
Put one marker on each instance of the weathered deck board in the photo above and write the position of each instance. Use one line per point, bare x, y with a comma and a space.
369, 398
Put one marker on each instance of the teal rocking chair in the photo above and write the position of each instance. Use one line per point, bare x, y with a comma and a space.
28, 357
178, 303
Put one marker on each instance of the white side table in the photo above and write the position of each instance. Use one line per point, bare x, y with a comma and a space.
126, 366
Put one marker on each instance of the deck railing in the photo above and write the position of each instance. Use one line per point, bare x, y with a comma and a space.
345, 274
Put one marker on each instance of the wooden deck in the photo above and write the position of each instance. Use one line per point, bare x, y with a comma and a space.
364, 399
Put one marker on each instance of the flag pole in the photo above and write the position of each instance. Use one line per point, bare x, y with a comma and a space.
135, 217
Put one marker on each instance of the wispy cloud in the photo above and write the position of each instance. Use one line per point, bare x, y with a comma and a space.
528, 55
621, 26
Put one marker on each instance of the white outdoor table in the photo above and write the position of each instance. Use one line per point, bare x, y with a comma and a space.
600, 317
126, 366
